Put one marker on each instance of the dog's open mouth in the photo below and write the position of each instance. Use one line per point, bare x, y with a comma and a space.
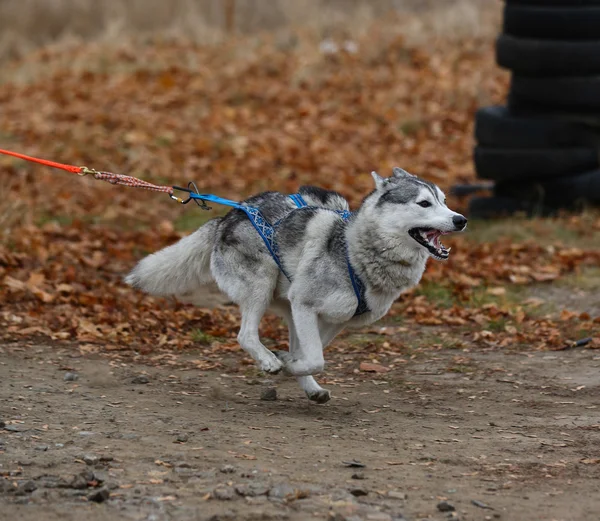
430, 238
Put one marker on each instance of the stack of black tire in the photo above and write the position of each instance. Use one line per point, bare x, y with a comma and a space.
543, 149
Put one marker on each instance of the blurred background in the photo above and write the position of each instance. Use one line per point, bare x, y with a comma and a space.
25, 25
244, 95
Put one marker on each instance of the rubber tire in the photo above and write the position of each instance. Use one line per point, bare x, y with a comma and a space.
579, 93
497, 126
563, 192
527, 108
522, 164
547, 57
554, 3
552, 23
493, 207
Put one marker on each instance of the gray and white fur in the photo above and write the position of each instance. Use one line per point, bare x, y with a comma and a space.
388, 241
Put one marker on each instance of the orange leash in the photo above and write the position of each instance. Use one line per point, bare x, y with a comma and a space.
115, 179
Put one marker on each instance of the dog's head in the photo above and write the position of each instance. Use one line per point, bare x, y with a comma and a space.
405, 205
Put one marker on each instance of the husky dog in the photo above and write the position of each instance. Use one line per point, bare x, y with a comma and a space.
324, 252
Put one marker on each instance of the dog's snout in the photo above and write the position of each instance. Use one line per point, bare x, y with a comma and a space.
459, 222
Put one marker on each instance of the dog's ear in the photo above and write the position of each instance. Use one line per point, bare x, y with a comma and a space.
378, 180
399, 172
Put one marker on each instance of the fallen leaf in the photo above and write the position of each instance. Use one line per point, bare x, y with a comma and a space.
373, 368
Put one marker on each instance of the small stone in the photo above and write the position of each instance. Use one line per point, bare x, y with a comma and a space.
252, 490
269, 394
90, 459
223, 493
140, 379
281, 491
100, 476
481, 504
26, 488
86, 433
48, 481
99, 496
341, 494
71, 377
80, 481
358, 475
182, 438
227, 469
354, 464
59, 445
358, 491
444, 506
13, 428
396, 494
42, 448
2, 424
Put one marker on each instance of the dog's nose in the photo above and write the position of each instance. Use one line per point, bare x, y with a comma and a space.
459, 222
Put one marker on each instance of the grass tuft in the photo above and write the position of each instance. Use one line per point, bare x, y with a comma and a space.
203, 338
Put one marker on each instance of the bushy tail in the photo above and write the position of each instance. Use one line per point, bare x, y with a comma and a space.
179, 269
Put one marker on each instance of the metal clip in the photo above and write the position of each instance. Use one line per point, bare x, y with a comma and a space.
85, 171
193, 190
178, 199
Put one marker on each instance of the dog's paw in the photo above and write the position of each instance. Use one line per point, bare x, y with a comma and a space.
321, 396
271, 365
285, 358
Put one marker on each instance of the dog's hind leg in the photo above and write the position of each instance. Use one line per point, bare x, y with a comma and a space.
249, 339
248, 277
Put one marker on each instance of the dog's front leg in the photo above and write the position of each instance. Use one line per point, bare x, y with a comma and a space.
309, 385
307, 359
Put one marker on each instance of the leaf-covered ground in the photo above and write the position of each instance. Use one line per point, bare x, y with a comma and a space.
236, 119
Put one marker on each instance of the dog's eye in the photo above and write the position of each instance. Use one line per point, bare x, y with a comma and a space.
424, 204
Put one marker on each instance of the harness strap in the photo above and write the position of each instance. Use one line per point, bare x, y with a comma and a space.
267, 232
216, 199
359, 289
298, 200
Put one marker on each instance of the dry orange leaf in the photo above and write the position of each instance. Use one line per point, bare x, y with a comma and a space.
368, 367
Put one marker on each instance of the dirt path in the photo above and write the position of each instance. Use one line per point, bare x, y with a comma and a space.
516, 432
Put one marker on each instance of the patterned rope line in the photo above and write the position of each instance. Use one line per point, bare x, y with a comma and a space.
126, 180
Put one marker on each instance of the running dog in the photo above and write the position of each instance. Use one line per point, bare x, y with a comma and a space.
310, 260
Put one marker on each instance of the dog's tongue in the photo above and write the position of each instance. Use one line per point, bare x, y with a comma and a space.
434, 236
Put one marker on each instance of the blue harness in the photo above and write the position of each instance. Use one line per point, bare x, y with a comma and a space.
266, 230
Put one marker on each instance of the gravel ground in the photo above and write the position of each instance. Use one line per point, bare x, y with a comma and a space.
450, 435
